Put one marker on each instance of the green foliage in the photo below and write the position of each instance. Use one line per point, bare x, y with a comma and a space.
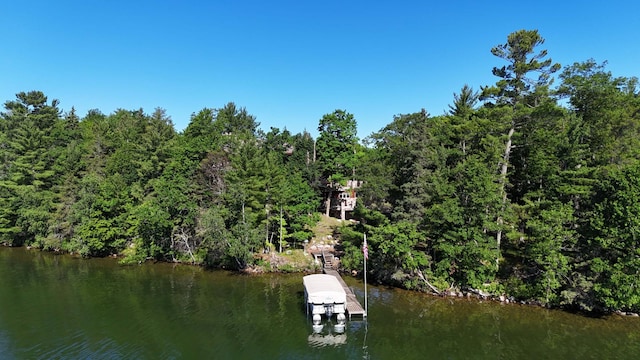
464, 102
518, 193
103, 222
28, 177
299, 204
351, 242
376, 170
607, 113
404, 145
615, 226
336, 145
546, 251
394, 246
520, 53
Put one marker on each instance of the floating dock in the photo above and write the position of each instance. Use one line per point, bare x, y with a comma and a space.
353, 305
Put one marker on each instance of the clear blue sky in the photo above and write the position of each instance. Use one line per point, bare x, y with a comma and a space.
290, 62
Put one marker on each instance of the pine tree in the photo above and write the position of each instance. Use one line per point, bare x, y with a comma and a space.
518, 94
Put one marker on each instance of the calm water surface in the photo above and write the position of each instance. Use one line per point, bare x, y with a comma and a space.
61, 307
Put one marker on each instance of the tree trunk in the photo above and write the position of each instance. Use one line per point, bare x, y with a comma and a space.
280, 228
328, 204
503, 184
266, 238
424, 278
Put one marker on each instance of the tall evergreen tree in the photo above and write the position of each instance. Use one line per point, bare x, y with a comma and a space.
28, 176
519, 93
404, 143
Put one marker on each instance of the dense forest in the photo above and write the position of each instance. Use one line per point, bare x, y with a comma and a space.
528, 187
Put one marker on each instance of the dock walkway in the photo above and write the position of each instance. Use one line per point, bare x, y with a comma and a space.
353, 305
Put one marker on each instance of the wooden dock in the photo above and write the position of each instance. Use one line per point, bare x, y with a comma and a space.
353, 305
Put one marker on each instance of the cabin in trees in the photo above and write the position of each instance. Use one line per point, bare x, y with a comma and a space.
342, 198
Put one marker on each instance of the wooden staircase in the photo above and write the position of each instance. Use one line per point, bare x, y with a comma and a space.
328, 260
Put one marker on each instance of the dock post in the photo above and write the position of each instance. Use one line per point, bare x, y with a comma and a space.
365, 252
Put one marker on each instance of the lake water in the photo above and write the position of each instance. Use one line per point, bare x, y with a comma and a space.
54, 306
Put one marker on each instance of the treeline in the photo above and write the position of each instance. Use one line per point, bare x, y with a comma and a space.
512, 191
525, 187
128, 184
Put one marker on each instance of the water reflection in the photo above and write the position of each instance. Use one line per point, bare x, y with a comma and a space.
327, 333
61, 307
